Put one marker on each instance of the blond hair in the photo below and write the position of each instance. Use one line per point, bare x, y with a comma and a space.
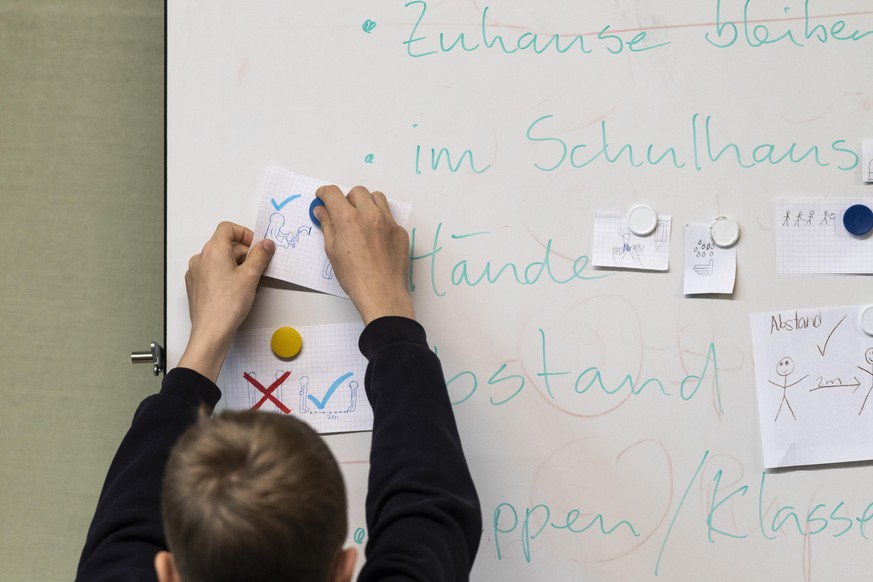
253, 496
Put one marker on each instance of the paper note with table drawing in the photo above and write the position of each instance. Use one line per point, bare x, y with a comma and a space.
283, 215
810, 237
323, 385
709, 268
814, 378
616, 246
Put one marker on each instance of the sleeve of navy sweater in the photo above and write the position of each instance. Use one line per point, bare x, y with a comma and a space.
422, 509
126, 532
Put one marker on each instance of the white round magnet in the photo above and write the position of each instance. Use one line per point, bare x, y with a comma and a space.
867, 320
642, 220
724, 231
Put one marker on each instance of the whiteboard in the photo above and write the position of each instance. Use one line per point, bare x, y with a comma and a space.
506, 126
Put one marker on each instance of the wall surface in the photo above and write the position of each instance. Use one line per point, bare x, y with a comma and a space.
81, 186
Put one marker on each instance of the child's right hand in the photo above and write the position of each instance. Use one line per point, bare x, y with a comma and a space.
369, 252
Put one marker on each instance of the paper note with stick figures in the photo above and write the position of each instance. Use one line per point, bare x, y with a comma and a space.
323, 385
814, 378
617, 247
810, 237
283, 215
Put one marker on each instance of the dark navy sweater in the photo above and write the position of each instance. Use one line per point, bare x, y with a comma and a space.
423, 513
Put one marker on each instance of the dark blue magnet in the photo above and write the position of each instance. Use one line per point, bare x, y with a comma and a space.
858, 219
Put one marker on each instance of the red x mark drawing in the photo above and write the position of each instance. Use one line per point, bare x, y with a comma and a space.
268, 392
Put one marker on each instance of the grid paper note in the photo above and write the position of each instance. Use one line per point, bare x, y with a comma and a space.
616, 246
283, 215
323, 385
810, 237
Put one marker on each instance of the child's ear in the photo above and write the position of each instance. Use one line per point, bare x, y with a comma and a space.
165, 567
345, 566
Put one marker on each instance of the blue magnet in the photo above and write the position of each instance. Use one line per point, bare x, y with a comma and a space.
316, 202
858, 219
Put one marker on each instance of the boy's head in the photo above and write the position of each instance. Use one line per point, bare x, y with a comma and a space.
253, 496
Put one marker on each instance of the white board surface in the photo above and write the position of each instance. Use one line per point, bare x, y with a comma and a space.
583, 395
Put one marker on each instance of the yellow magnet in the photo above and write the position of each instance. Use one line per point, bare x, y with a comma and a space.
286, 342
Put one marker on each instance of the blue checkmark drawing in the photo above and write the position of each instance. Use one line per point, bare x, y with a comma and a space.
284, 202
320, 404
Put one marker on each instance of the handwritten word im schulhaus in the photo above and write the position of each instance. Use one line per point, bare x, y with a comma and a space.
703, 145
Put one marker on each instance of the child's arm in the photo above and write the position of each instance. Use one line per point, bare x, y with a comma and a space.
221, 282
423, 513
369, 252
126, 531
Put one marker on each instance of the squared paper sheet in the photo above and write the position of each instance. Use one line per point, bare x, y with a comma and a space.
616, 246
814, 374
810, 237
283, 215
708, 267
867, 160
324, 386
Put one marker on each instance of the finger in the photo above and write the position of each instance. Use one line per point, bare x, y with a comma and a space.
259, 258
323, 216
332, 197
193, 262
239, 252
335, 203
360, 197
232, 232
381, 202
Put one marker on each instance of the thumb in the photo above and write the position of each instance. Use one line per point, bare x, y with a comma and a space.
259, 257
321, 214
323, 217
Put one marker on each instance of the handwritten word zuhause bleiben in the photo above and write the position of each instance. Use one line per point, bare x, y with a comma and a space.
747, 31
754, 34
528, 41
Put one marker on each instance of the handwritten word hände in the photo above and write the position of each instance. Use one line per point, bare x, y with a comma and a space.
556, 43
468, 273
504, 385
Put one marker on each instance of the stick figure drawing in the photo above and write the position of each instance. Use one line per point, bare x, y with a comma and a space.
868, 355
784, 368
